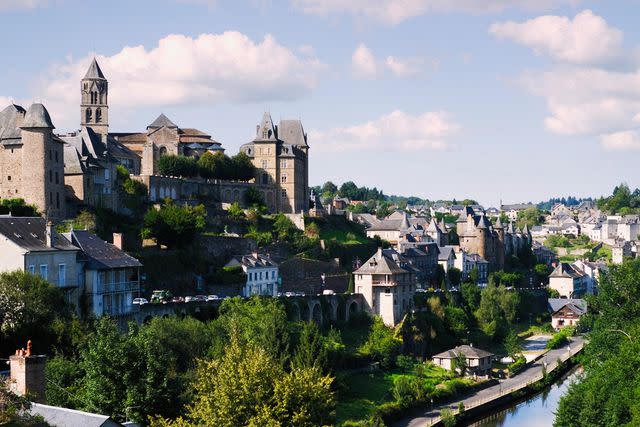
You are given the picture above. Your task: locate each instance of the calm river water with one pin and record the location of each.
(535, 411)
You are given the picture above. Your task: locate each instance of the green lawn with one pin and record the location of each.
(340, 230)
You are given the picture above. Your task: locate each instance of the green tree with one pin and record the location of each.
(512, 345)
(311, 351)
(284, 228)
(253, 197)
(235, 211)
(351, 287)
(242, 167)
(382, 345)
(173, 225)
(529, 217)
(312, 231)
(471, 294)
(542, 273)
(454, 275)
(329, 188)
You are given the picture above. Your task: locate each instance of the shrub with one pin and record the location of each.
(381, 345)
(560, 338)
(448, 419)
(518, 365)
(406, 362)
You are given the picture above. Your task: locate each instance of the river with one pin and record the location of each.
(535, 411)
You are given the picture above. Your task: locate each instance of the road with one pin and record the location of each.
(530, 375)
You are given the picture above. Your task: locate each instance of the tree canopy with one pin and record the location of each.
(174, 225)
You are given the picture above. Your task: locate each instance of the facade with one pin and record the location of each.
(398, 227)
(30, 244)
(569, 281)
(281, 157)
(387, 285)
(447, 257)
(566, 312)
(32, 160)
(262, 274)
(423, 256)
(109, 278)
(478, 362)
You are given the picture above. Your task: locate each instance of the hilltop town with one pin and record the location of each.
(162, 234)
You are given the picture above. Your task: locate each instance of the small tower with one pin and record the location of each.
(266, 163)
(94, 106)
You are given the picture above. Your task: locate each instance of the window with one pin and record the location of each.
(57, 200)
(62, 275)
(283, 193)
(273, 274)
(265, 178)
(87, 115)
(50, 197)
(283, 178)
(98, 115)
(50, 175)
(265, 133)
(106, 174)
(283, 163)
(32, 269)
(57, 177)
(56, 153)
(44, 271)
(265, 164)
(9, 178)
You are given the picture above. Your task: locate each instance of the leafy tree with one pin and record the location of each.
(243, 169)
(284, 228)
(530, 217)
(460, 363)
(235, 211)
(311, 351)
(17, 207)
(253, 197)
(134, 193)
(351, 288)
(312, 231)
(498, 306)
(330, 188)
(474, 276)
(30, 307)
(173, 225)
(471, 295)
(170, 165)
(542, 272)
(512, 345)
(382, 344)
(454, 275)
(457, 321)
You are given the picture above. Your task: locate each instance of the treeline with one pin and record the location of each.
(212, 166)
(623, 201)
(17, 207)
(349, 190)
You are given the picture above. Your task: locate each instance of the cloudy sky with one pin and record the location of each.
(513, 100)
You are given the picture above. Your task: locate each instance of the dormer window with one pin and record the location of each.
(265, 134)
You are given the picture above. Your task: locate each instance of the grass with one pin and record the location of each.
(340, 230)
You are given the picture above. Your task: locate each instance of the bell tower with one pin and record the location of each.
(94, 106)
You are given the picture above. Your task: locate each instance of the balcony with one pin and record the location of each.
(112, 288)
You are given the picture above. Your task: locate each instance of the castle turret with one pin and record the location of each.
(42, 163)
(483, 231)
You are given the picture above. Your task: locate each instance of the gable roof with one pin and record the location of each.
(64, 417)
(29, 234)
(567, 271)
(577, 305)
(468, 351)
(94, 71)
(445, 253)
(252, 261)
(101, 255)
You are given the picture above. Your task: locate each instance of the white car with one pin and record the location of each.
(289, 294)
(213, 298)
(189, 299)
(328, 292)
(140, 301)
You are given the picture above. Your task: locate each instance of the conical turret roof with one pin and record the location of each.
(498, 224)
(37, 116)
(482, 222)
(161, 121)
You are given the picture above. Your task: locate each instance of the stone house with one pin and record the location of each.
(511, 211)
(32, 160)
(262, 274)
(109, 277)
(30, 244)
(387, 285)
(478, 362)
(423, 256)
(569, 281)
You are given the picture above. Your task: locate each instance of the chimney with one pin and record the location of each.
(27, 374)
(49, 234)
(117, 240)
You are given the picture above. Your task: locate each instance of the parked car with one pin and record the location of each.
(140, 301)
(300, 294)
(177, 299)
(190, 299)
(289, 294)
(213, 298)
(328, 292)
(201, 297)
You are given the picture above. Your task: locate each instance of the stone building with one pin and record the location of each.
(491, 242)
(387, 285)
(32, 159)
(280, 155)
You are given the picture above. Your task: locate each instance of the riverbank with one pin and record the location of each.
(510, 388)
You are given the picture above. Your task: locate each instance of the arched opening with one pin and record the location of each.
(87, 115)
(353, 310)
(316, 314)
(98, 115)
(295, 313)
(304, 311)
(341, 312)
(162, 151)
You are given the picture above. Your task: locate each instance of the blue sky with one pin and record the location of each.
(513, 100)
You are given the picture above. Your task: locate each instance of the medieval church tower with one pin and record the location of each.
(94, 107)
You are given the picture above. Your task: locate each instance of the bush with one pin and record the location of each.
(174, 225)
(518, 365)
(406, 362)
(381, 345)
(560, 338)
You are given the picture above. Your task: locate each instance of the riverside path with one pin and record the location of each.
(533, 373)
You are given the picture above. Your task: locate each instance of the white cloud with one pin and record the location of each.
(6, 5)
(363, 63)
(5, 101)
(587, 101)
(396, 131)
(306, 49)
(393, 12)
(627, 140)
(179, 70)
(404, 67)
(587, 39)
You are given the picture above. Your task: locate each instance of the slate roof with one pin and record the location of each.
(291, 132)
(63, 417)
(445, 252)
(380, 263)
(252, 260)
(567, 271)
(266, 124)
(578, 306)
(94, 71)
(29, 234)
(468, 351)
(9, 119)
(37, 116)
(101, 255)
(162, 121)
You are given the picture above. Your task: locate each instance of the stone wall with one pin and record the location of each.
(219, 249)
(305, 275)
